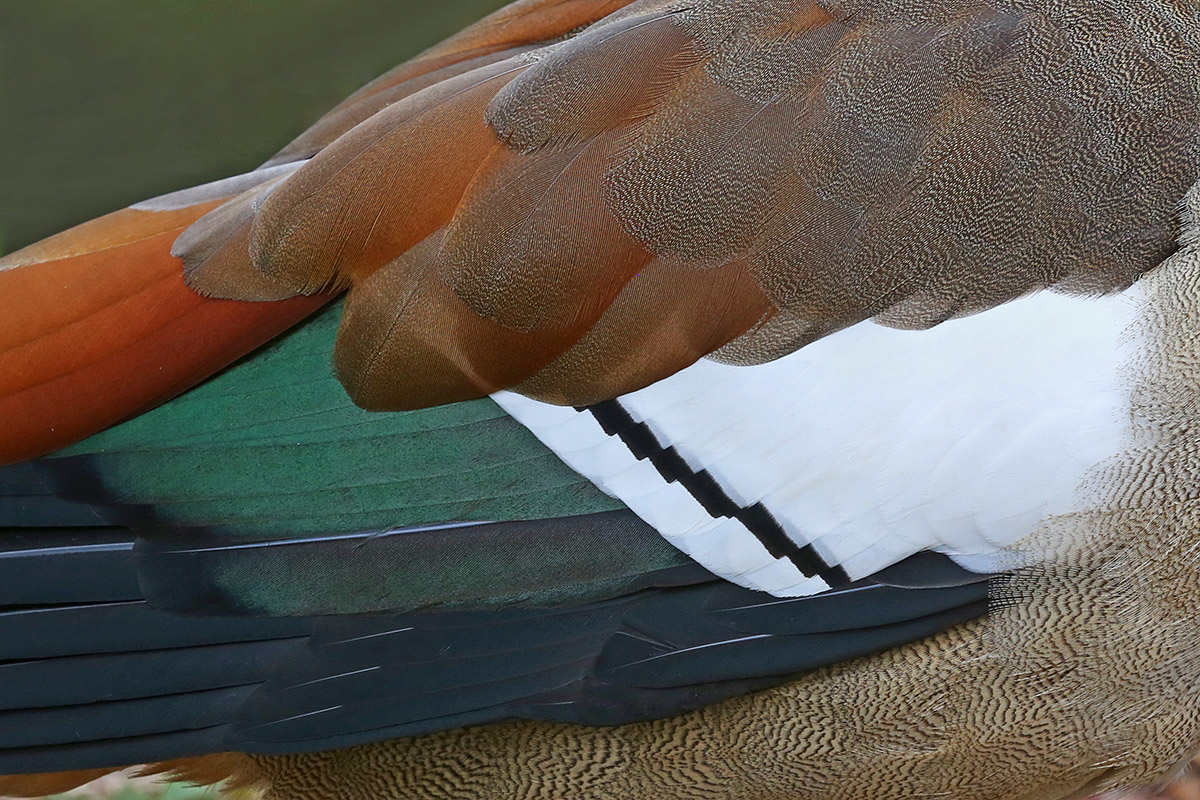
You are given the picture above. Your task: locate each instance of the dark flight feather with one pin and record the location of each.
(100, 681)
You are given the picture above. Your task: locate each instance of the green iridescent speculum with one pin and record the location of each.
(273, 449)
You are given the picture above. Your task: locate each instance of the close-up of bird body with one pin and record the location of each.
(730, 399)
(1082, 678)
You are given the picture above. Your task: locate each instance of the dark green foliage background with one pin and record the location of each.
(106, 103)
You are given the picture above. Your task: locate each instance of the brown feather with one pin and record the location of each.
(651, 330)
(857, 160)
(381, 188)
(407, 341)
(216, 251)
(561, 101)
(532, 248)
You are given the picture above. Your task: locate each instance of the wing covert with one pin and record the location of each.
(817, 165)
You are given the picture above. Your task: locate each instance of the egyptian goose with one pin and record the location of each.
(758, 399)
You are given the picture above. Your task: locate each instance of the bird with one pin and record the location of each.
(688, 399)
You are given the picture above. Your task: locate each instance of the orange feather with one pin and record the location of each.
(97, 325)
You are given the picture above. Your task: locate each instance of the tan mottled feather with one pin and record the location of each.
(530, 249)
(652, 330)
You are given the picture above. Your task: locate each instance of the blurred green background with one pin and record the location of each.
(107, 103)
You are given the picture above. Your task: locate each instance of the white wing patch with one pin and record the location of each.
(868, 445)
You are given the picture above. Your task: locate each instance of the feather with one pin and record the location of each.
(818, 166)
(92, 682)
(93, 561)
(82, 348)
(359, 203)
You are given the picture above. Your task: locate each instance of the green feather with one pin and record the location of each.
(273, 446)
(273, 449)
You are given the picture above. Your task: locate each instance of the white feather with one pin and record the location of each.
(875, 443)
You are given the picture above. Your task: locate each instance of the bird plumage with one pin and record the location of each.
(882, 310)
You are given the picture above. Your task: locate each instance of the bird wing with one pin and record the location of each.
(94, 674)
(728, 250)
(734, 178)
(260, 566)
(97, 324)
(682, 249)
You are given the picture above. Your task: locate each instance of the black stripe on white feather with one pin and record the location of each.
(616, 421)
